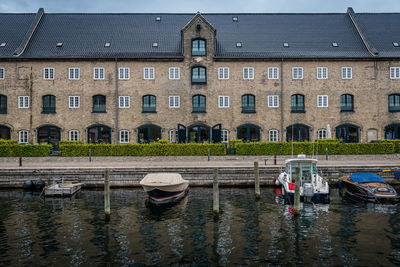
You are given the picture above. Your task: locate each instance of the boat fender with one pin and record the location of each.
(29, 185)
(277, 181)
(39, 184)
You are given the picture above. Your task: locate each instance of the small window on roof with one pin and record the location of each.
(2, 44)
(395, 44)
(334, 44)
(59, 44)
(285, 44)
(108, 44)
(155, 45)
(158, 18)
(235, 19)
(239, 44)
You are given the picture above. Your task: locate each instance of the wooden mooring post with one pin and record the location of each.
(297, 192)
(215, 194)
(107, 210)
(257, 180)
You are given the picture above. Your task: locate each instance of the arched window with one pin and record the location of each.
(298, 103)
(392, 131)
(99, 134)
(49, 104)
(3, 104)
(99, 104)
(149, 133)
(348, 133)
(199, 104)
(149, 104)
(5, 132)
(298, 132)
(199, 134)
(199, 75)
(248, 132)
(49, 134)
(248, 104)
(199, 47)
(346, 103)
(394, 103)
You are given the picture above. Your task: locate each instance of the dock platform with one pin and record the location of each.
(66, 190)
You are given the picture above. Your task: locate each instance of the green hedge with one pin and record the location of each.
(17, 150)
(8, 142)
(285, 148)
(152, 149)
(395, 142)
(70, 142)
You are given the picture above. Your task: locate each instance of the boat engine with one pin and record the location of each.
(308, 190)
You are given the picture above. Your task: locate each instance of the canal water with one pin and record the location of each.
(72, 232)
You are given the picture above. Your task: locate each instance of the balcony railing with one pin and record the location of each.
(99, 109)
(149, 110)
(49, 110)
(3, 110)
(394, 108)
(348, 108)
(199, 110)
(298, 109)
(250, 109)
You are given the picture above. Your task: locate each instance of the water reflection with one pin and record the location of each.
(72, 232)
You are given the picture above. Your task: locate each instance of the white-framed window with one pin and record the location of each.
(2, 73)
(322, 101)
(322, 73)
(273, 73)
(174, 101)
(48, 73)
(124, 136)
(248, 73)
(273, 101)
(98, 73)
(123, 73)
(322, 134)
(225, 136)
(74, 101)
(23, 137)
(273, 135)
(73, 73)
(347, 73)
(23, 101)
(223, 101)
(148, 73)
(223, 73)
(73, 135)
(297, 73)
(394, 73)
(174, 73)
(124, 101)
(173, 136)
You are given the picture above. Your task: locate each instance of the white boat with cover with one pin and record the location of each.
(164, 187)
(313, 187)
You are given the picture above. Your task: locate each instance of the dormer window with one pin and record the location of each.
(285, 44)
(395, 44)
(158, 18)
(334, 44)
(239, 44)
(2, 44)
(59, 44)
(235, 19)
(155, 44)
(107, 44)
(199, 47)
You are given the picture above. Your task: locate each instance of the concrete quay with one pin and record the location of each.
(233, 170)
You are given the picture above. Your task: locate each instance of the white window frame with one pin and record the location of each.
(297, 73)
(100, 73)
(322, 134)
(25, 101)
(273, 101)
(224, 136)
(48, 73)
(172, 136)
(149, 73)
(124, 136)
(223, 73)
(248, 73)
(23, 137)
(273, 135)
(174, 73)
(174, 101)
(125, 100)
(73, 73)
(322, 101)
(2, 73)
(73, 135)
(223, 101)
(273, 73)
(74, 99)
(394, 73)
(322, 73)
(124, 73)
(347, 73)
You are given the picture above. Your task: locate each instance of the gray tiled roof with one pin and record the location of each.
(262, 35)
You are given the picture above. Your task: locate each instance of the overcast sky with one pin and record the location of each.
(204, 6)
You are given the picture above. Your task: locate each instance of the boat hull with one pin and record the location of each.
(158, 197)
(316, 198)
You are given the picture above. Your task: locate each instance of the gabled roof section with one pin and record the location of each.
(194, 19)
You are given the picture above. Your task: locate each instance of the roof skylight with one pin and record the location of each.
(395, 44)
(239, 44)
(59, 44)
(2, 44)
(155, 44)
(285, 44)
(235, 19)
(108, 44)
(158, 18)
(334, 44)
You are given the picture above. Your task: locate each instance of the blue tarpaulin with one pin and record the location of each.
(360, 177)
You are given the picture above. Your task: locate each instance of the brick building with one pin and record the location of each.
(127, 78)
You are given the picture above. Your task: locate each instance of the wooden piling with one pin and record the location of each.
(215, 194)
(256, 180)
(20, 161)
(107, 210)
(297, 191)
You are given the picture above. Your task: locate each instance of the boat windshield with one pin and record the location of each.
(306, 169)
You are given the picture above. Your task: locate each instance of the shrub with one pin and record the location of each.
(65, 142)
(395, 142)
(163, 141)
(234, 142)
(7, 142)
(20, 150)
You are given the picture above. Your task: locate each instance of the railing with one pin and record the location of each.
(149, 110)
(298, 109)
(99, 109)
(49, 110)
(248, 109)
(199, 110)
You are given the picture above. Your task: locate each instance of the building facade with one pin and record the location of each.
(128, 78)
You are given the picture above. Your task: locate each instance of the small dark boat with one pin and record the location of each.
(367, 187)
(164, 188)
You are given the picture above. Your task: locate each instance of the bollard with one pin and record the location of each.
(20, 161)
(297, 192)
(274, 159)
(90, 155)
(215, 194)
(208, 153)
(326, 154)
(106, 196)
(256, 180)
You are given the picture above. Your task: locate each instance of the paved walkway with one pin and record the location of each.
(201, 162)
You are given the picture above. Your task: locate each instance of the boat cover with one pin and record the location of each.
(169, 182)
(360, 177)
